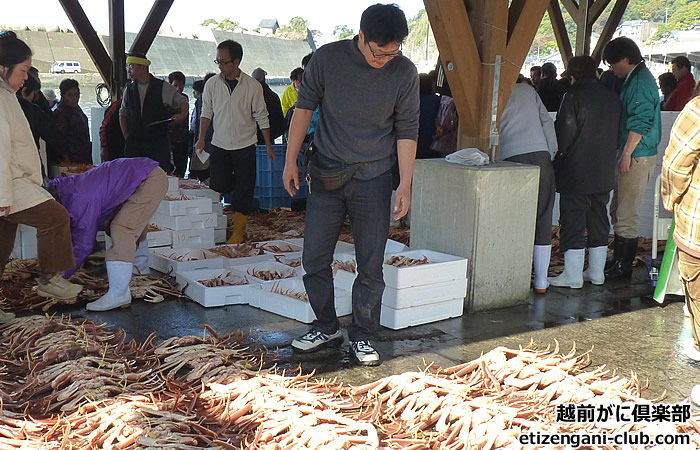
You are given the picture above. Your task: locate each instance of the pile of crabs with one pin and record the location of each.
(76, 384)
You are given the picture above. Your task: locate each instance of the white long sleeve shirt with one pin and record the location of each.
(234, 114)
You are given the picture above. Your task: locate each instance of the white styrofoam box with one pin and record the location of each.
(344, 247)
(219, 235)
(221, 221)
(216, 296)
(421, 295)
(17, 249)
(217, 208)
(173, 185)
(418, 315)
(201, 238)
(293, 308)
(190, 207)
(393, 246)
(27, 242)
(279, 247)
(231, 262)
(159, 238)
(190, 191)
(441, 267)
(178, 223)
(286, 258)
(166, 260)
(340, 246)
(249, 268)
(342, 278)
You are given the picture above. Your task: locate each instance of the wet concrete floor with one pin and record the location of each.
(629, 330)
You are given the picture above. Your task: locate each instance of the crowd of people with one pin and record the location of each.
(604, 140)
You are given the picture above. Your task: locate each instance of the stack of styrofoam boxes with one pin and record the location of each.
(192, 189)
(25, 243)
(269, 293)
(190, 221)
(423, 293)
(190, 274)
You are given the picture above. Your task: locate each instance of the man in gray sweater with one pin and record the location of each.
(367, 94)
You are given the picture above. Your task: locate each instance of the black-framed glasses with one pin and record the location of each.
(384, 55)
(221, 63)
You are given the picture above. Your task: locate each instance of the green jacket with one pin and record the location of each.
(641, 111)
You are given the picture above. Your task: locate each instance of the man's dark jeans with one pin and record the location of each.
(155, 147)
(368, 204)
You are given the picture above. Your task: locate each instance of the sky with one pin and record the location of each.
(186, 15)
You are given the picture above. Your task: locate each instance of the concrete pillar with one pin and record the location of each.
(97, 115)
(486, 214)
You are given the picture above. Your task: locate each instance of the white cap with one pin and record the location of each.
(50, 94)
(258, 74)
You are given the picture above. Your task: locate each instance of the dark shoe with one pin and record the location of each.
(315, 339)
(623, 268)
(364, 354)
(617, 253)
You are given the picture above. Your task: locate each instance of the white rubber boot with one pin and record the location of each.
(540, 263)
(695, 395)
(596, 265)
(119, 294)
(572, 276)
(141, 259)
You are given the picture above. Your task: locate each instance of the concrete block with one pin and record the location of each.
(485, 214)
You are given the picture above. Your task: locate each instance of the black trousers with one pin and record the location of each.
(179, 150)
(545, 195)
(579, 213)
(155, 147)
(234, 171)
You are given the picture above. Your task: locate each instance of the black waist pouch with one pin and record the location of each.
(328, 174)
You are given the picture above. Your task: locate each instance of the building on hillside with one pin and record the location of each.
(637, 30)
(268, 26)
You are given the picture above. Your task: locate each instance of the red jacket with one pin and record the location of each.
(682, 94)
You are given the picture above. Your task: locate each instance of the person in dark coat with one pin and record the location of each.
(588, 129)
(41, 123)
(74, 134)
(429, 105)
(274, 108)
(549, 87)
(111, 137)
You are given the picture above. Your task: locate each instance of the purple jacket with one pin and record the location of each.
(93, 196)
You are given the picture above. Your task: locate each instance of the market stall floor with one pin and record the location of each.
(630, 332)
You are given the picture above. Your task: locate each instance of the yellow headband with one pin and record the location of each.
(137, 60)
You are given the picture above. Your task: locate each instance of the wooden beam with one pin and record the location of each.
(489, 20)
(89, 38)
(609, 28)
(520, 41)
(597, 9)
(450, 24)
(514, 12)
(559, 28)
(150, 27)
(571, 7)
(117, 47)
(583, 28)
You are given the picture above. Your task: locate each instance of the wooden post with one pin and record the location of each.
(584, 28)
(150, 27)
(562, 37)
(609, 29)
(89, 38)
(469, 35)
(117, 48)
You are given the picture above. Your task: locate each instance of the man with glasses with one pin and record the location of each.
(235, 103)
(639, 139)
(369, 107)
(146, 110)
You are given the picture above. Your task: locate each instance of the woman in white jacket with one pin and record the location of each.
(22, 198)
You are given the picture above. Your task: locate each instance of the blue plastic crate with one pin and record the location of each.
(269, 189)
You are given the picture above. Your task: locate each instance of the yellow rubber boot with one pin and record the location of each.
(240, 221)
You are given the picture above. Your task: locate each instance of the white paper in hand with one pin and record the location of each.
(202, 155)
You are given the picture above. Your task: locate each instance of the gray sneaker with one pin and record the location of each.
(364, 354)
(315, 339)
